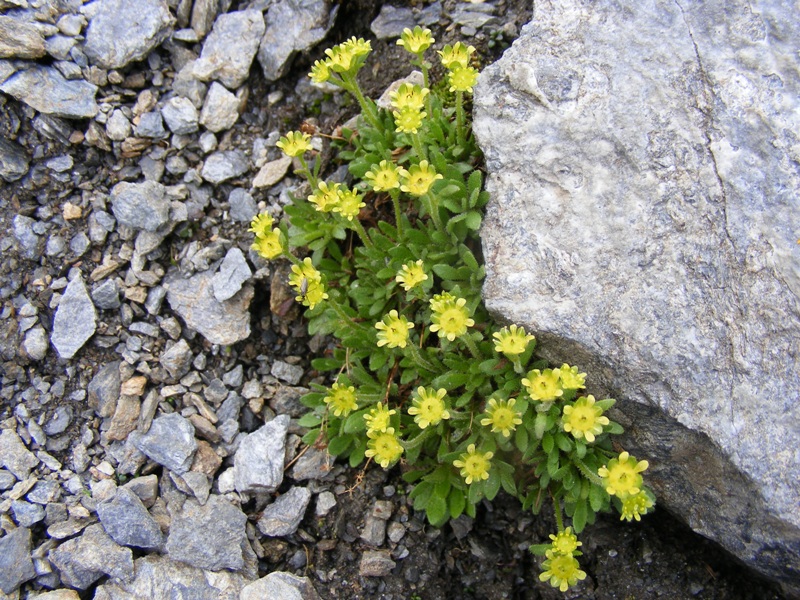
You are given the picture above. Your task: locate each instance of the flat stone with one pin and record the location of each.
(19, 39)
(204, 12)
(27, 514)
(376, 563)
(36, 343)
(230, 48)
(643, 230)
(75, 321)
(193, 300)
(85, 559)
(121, 32)
(280, 585)
(292, 26)
(325, 503)
(29, 240)
(103, 390)
(220, 109)
(16, 566)
(160, 577)
(283, 516)
(14, 161)
(391, 21)
(243, 207)
(314, 464)
(233, 272)
(59, 420)
(127, 521)
(14, 456)
(46, 90)
(142, 205)
(151, 125)
(177, 360)
(291, 374)
(169, 442)
(258, 461)
(181, 115)
(59, 595)
(272, 172)
(208, 536)
(221, 166)
(145, 487)
(118, 127)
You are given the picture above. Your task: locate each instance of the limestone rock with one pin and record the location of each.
(292, 26)
(230, 48)
(159, 577)
(120, 31)
(169, 442)
(140, 205)
(643, 225)
(85, 559)
(13, 160)
(258, 463)
(285, 586)
(75, 321)
(219, 322)
(46, 90)
(283, 516)
(127, 521)
(16, 566)
(19, 39)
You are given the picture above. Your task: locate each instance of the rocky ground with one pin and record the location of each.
(152, 364)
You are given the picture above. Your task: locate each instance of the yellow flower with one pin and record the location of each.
(378, 418)
(416, 41)
(384, 446)
(502, 416)
(341, 400)
(349, 204)
(570, 378)
(385, 176)
(451, 319)
(411, 275)
(622, 476)
(326, 198)
(456, 56)
(635, 506)
(408, 120)
(409, 96)
(563, 543)
(320, 72)
(428, 407)
(474, 465)
(439, 300)
(260, 225)
(583, 419)
(511, 340)
(419, 179)
(543, 385)
(295, 143)
(562, 571)
(462, 79)
(393, 330)
(307, 282)
(358, 46)
(340, 59)
(268, 245)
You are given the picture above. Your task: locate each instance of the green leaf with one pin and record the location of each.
(605, 404)
(492, 485)
(521, 439)
(539, 549)
(457, 501)
(340, 444)
(564, 443)
(355, 422)
(507, 480)
(357, 455)
(326, 364)
(436, 509)
(579, 516)
(547, 441)
(309, 420)
(421, 494)
(614, 428)
(311, 437)
(473, 220)
(597, 497)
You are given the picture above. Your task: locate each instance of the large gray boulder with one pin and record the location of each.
(644, 172)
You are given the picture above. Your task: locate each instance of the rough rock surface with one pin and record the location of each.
(16, 565)
(292, 26)
(120, 32)
(280, 585)
(141, 205)
(643, 169)
(219, 322)
(46, 90)
(169, 442)
(258, 463)
(75, 320)
(85, 559)
(127, 521)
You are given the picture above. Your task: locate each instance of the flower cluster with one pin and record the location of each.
(307, 282)
(428, 407)
(341, 399)
(268, 242)
(393, 330)
(384, 447)
(337, 198)
(456, 59)
(561, 568)
(342, 60)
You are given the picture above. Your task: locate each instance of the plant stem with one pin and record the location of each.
(395, 194)
(356, 226)
(473, 347)
(460, 118)
(344, 316)
(351, 85)
(309, 175)
(433, 209)
(557, 511)
(419, 440)
(418, 148)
